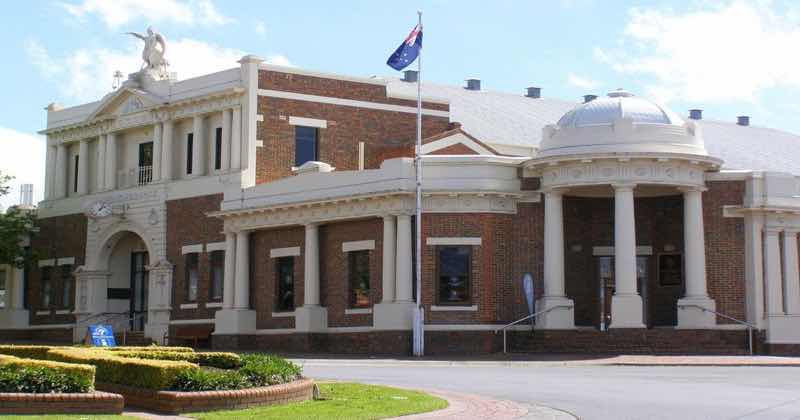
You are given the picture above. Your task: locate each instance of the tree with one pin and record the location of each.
(15, 224)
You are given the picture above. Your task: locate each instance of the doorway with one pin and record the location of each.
(606, 287)
(139, 277)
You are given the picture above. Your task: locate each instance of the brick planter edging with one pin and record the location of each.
(87, 403)
(175, 402)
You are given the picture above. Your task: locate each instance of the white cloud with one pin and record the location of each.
(582, 82)
(26, 164)
(119, 12)
(261, 28)
(86, 74)
(721, 52)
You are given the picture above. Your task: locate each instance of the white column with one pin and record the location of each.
(554, 289)
(236, 138)
(50, 173)
(772, 270)
(311, 273)
(626, 304)
(689, 313)
(389, 282)
(226, 139)
(83, 167)
(199, 147)
(404, 262)
(100, 165)
(229, 281)
(754, 268)
(157, 136)
(166, 150)
(242, 294)
(554, 245)
(61, 176)
(791, 276)
(111, 161)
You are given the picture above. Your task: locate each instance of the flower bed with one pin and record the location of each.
(168, 379)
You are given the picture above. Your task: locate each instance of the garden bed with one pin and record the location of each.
(175, 402)
(165, 379)
(83, 403)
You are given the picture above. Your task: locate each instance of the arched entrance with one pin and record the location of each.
(127, 278)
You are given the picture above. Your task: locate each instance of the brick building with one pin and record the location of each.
(272, 208)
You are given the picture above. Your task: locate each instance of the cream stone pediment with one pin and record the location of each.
(125, 101)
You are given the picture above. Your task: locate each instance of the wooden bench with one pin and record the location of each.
(191, 333)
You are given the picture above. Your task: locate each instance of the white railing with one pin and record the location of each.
(750, 327)
(145, 175)
(504, 328)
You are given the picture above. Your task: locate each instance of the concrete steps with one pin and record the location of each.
(645, 341)
(134, 338)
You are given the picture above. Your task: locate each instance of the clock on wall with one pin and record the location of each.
(99, 209)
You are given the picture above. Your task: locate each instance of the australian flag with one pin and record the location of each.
(408, 51)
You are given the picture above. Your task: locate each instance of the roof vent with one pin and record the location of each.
(473, 84)
(589, 98)
(410, 76)
(743, 120)
(534, 92)
(619, 93)
(696, 114)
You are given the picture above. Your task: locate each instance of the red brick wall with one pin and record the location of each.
(490, 264)
(455, 149)
(527, 256)
(187, 224)
(383, 132)
(58, 237)
(725, 248)
(264, 275)
(334, 271)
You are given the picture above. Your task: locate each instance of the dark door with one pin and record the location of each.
(138, 311)
(605, 289)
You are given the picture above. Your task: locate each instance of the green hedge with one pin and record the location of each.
(154, 347)
(150, 374)
(44, 376)
(257, 370)
(214, 359)
(27, 352)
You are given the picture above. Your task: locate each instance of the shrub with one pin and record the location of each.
(42, 376)
(208, 380)
(263, 369)
(154, 347)
(213, 359)
(151, 374)
(28, 352)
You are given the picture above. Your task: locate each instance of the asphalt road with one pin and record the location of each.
(599, 392)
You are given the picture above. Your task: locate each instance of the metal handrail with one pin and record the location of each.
(504, 328)
(749, 326)
(130, 320)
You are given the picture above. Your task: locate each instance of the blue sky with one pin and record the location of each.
(727, 57)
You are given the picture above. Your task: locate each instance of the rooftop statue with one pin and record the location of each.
(152, 56)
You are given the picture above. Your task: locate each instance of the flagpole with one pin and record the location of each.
(419, 314)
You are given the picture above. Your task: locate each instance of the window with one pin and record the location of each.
(284, 284)
(189, 151)
(217, 274)
(218, 149)
(75, 179)
(358, 273)
(3, 292)
(305, 144)
(453, 267)
(192, 276)
(47, 286)
(66, 285)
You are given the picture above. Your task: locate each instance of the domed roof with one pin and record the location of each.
(618, 104)
(620, 123)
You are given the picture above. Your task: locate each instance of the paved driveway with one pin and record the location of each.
(598, 392)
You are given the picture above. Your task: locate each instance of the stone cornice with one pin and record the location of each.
(103, 124)
(400, 203)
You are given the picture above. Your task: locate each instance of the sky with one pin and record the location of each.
(727, 57)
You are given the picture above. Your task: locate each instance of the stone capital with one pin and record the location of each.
(773, 230)
(623, 186)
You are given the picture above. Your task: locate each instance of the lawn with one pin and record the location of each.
(341, 401)
(67, 417)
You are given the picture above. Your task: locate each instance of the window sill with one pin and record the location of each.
(188, 306)
(358, 311)
(214, 305)
(446, 308)
(282, 314)
(41, 313)
(63, 312)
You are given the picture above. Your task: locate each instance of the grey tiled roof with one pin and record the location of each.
(507, 119)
